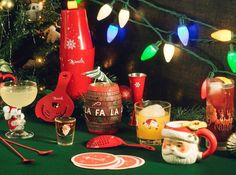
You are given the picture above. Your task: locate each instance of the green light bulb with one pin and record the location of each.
(78, 1)
(231, 58)
(150, 51)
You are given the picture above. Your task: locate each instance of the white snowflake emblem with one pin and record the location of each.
(71, 44)
(137, 84)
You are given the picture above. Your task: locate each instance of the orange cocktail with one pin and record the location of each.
(151, 117)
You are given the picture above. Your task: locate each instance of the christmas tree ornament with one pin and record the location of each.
(231, 144)
(125, 92)
(223, 35)
(5, 66)
(102, 104)
(150, 51)
(7, 4)
(137, 83)
(57, 103)
(29, 64)
(231, 58)
(34, 12)
(51, 34)
(112, 32)
(76, 50)
(123, 17)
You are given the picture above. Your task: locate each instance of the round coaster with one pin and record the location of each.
(129, 162)
(102, 167)
(94, 159)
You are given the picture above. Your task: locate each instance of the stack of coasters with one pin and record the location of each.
(106, 161)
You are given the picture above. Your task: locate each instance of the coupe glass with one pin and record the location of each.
(18, 94)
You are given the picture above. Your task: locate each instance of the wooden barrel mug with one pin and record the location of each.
(103, 108)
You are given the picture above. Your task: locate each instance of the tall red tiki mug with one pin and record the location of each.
(76, 50)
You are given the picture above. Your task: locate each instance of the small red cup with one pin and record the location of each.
(137, 83)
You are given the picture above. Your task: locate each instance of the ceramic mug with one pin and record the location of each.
(181, 142)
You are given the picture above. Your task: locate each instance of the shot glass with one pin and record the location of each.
(65, 130)
(151, 117)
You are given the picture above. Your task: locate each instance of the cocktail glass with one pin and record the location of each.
(220, 108)
(151, 117)
(18, 94)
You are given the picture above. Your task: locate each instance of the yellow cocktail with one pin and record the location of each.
(151, 117)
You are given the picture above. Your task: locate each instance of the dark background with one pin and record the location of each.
(180, 80)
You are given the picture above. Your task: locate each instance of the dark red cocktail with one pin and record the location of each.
(220, 108)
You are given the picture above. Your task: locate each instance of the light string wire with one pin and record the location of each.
(159, 32)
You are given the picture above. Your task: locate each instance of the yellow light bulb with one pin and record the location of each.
(169, 50)
(39, 60)
(41, 88)
(72, 5)
(223, 35)
(9, 5)
(3, 3)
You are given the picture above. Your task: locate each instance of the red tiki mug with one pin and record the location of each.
(76, 50)
(137, 82)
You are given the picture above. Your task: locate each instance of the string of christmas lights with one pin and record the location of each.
(30, 24)
(182, 32)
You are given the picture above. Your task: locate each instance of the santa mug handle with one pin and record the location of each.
(210, 137)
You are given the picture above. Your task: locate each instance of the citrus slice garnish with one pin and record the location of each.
(226, 81)
(196, 124)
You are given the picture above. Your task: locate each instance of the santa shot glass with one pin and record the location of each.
(65, 130)
(151, 117)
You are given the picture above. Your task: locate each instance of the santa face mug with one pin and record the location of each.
(181, 142)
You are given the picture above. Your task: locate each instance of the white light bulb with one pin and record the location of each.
(169, 50)
(123, 17)
(104, 12)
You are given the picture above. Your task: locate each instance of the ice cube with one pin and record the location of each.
(215, 88)
(153, 111)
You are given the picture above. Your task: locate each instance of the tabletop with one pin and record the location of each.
(60, 161)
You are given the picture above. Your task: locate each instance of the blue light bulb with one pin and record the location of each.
(183, 34)
(193, 29)
(112, 31)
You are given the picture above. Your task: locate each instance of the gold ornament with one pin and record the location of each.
(231, 144)
(51, 34)
(34, 12)
(6, 4)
